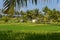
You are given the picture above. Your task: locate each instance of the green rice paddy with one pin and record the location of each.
(28, 31)
(28, 27)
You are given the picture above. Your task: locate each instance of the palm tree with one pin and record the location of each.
(9, 5)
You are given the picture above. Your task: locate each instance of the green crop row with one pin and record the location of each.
(11, 35)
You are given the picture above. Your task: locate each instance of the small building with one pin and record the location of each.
(34, 20)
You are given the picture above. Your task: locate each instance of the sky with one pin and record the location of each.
(40, 5)
(1, 4)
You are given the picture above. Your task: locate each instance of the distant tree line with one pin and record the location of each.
(46, 16)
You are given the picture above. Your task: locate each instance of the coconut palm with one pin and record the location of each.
(9, 5)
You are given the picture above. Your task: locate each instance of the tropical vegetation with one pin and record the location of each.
(49, 16)
(31, 24)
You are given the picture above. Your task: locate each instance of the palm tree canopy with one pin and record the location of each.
(10, 4)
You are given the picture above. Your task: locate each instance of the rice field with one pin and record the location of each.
(28, 31)
(28, 27)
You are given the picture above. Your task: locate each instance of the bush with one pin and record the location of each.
(6, 18)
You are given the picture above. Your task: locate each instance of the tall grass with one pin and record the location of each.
(11, 35)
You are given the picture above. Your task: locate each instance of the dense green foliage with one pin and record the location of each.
(48, 17)
(10, 35)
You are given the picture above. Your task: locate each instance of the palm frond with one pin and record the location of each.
(21, 3)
